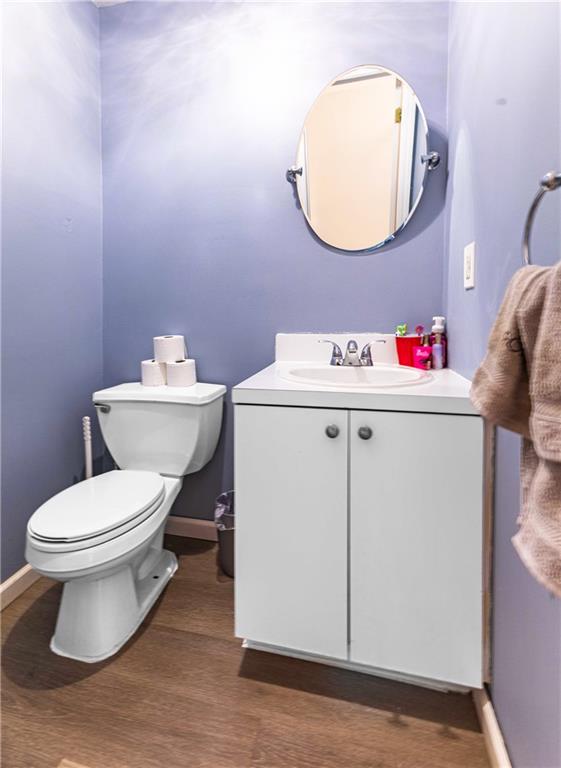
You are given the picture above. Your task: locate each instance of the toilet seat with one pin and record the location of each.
(96, 510)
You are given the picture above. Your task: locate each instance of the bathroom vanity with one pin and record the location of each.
(361, 517)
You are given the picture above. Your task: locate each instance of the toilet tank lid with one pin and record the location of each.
(197, 394)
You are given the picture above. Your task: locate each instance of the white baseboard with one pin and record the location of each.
(69, 764)
(192, 528)
(494, 742)
(16, 585)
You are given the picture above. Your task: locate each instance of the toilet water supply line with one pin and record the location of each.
(87, 430)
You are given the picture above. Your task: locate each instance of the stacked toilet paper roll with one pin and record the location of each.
(169, 349)
(181, 373)
(153, 373)
(170, 364)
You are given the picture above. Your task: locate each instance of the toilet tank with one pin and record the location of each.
(169, 430)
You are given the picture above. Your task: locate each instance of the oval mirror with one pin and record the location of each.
(362, 159)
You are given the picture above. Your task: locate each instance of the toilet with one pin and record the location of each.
(103, 537)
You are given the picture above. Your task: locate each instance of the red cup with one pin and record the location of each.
(405, 346)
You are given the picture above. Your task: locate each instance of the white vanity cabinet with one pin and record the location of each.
(291, 528)
(416, 544)
(359, 537)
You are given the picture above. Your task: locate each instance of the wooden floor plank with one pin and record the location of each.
(184, 693)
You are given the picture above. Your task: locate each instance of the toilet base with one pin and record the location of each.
(97, 617)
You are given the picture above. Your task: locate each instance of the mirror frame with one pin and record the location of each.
(431, 161)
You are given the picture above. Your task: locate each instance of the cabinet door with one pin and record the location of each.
(291, 527)
(416, 492)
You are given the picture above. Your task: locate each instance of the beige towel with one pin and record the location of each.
(518, 386)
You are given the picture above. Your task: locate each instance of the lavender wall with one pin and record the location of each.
(51, 249)
(202, 108)
(504, 115)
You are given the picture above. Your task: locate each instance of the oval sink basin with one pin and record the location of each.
(365, 377)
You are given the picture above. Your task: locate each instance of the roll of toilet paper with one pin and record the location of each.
(153, 374)
(181, 373)
(168, 349)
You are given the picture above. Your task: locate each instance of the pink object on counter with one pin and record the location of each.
(422, 356)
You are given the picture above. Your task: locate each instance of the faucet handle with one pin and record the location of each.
(366, 354)
(336, 354)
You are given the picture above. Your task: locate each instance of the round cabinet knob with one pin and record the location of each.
(332, 430)
(365, 433)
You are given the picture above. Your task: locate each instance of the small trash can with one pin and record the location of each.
(225, 524)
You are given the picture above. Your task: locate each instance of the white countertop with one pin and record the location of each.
(444, 392)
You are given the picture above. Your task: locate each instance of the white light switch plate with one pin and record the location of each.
(469, 266)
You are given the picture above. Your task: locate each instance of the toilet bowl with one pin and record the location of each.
(103, 537)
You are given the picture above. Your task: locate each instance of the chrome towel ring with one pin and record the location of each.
(548, 183)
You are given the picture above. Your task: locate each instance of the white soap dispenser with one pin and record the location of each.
(438, 342)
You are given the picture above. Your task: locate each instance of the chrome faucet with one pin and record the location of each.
(352, 358)
(336, 354)
(351, 354)
(366, 354)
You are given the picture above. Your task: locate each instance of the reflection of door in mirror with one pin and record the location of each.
(404, 154)
(353, 141)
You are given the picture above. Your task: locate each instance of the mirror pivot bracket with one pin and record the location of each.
(292, 172)
(432, 159)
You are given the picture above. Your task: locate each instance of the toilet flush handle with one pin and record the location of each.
(103, 407)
